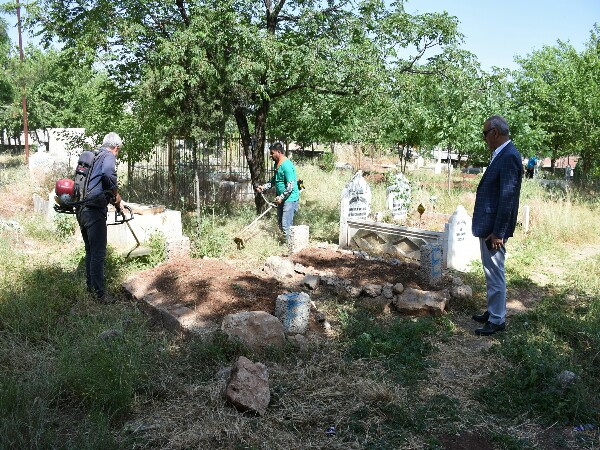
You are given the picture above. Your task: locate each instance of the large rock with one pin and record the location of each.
(248, 386)
(254, 328)
(278, 267)
(420, 303)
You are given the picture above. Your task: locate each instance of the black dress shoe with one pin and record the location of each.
(481, 318)
(490, 328)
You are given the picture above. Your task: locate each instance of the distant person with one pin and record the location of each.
(568, 172)
(286, 188)
(495, 217)
(102, 189)
(531, 165)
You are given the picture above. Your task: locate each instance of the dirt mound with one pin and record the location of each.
(213, 288)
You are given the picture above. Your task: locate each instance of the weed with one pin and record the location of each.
(65, 225)
(401, 344)
(543, 343)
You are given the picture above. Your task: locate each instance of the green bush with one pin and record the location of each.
(327, 162)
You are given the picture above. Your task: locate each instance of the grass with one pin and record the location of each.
(64, 384)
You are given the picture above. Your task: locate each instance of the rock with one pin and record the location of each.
(299, 268)
(372, 290)
(418, 302)
(566, 378)
(398, 288)
(279, 267)
(223, 374)
(375, 305)
(320, 316)
(298, 340)
(311, 281)
(361, 254)
(387, 291)
(248, 386)
(456, 281)
(330, 280)
(110, 334)
(461, 292)
(353, 291)
(395, 262)
(254, 328)
(138, 426)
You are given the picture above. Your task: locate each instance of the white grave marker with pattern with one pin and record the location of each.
(399, 196)
(356, 204)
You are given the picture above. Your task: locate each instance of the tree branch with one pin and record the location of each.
(183, 12)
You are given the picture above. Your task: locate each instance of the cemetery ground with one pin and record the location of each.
(382, 380)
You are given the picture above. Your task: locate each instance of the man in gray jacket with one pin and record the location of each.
(495, 217)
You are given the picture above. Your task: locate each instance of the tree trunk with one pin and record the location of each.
(254, 147)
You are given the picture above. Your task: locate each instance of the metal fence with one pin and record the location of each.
(185, 176)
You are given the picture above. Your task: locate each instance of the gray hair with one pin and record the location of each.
(112, 140)
(499, 123)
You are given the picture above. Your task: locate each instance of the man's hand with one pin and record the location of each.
(495, 241)
(117, 201)
(278, 200)
(258, 188)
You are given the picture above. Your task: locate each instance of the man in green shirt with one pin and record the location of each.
(286, 188)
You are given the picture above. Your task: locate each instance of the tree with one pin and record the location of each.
(199, 62)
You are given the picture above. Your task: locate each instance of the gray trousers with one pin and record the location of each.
(92, 223)
(495, 280)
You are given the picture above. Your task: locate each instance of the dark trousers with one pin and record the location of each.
(92, 223)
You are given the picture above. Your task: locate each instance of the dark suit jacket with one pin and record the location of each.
(497, 199)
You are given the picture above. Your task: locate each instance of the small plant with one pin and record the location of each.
(327, 163)
(65, 225)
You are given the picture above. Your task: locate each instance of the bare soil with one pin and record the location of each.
(214, 288)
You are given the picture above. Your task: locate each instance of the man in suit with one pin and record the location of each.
(495, 217)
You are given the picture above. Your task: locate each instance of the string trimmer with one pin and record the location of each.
(239, 240)
(125, 217)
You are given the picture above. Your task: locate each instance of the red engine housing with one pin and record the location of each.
(64, 186)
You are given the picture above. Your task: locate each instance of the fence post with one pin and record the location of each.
(197, 195)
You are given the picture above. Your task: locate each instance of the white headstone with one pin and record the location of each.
(356, 204)
(463, 247)
(399, 196)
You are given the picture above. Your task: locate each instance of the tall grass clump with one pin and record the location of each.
(104, 361)
(400, 344)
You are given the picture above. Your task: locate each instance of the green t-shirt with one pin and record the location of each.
(285, 174)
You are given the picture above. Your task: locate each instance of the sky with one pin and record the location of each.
(496, 31)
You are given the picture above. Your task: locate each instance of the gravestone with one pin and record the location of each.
(298, 238)
(356, 204)
(399, 196)
(463, 247)
(431, 264)
(293, 310)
